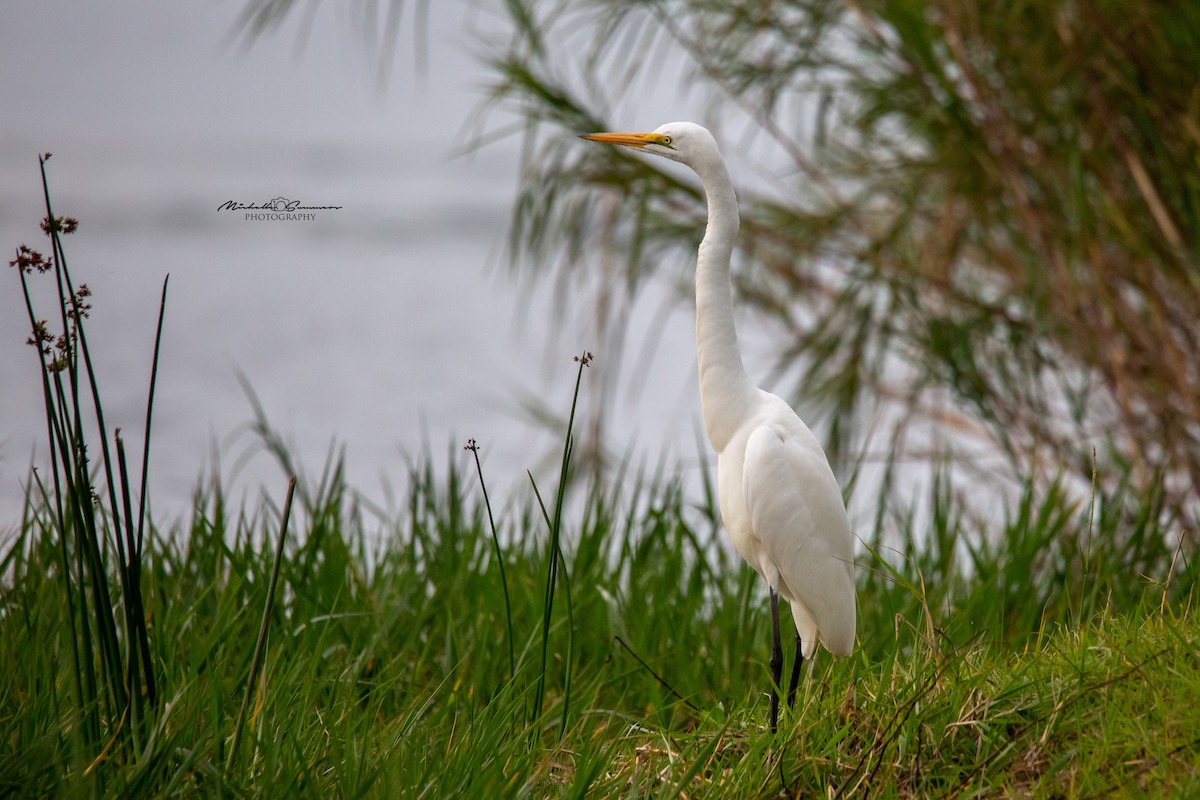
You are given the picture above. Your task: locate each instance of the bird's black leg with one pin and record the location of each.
(795, 681)
(776, 661)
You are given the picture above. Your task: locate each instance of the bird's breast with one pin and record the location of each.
(731, 497)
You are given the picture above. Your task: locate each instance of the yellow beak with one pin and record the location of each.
(627, 139)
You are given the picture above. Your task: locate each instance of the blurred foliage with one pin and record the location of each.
(978, 225)
(988, 227)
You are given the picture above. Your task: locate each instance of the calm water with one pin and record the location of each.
(390, 326)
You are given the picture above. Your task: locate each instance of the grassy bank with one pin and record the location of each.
(387, 667)
(578, 640)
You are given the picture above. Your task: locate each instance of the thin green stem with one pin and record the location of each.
(487, 503)
(555, 550)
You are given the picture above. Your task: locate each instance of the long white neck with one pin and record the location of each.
(726, 392)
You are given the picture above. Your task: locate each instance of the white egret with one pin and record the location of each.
(778, 496)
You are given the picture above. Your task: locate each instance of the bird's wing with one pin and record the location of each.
(797, 514)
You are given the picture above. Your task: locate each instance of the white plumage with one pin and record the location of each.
(779, 498)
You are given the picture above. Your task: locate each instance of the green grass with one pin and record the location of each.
(603, 644)
(387, 668)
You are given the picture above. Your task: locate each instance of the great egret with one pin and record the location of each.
(778, 495)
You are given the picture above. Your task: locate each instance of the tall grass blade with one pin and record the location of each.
(261, 643)
(547, 602)
(487, 503)
(133, 643)
(135, 582)
(554, 551)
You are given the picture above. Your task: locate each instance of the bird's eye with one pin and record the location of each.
(666, 140)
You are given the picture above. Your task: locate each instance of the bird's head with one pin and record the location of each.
(685, 142)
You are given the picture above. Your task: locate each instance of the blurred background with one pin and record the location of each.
(968, 252)
(394, 327)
